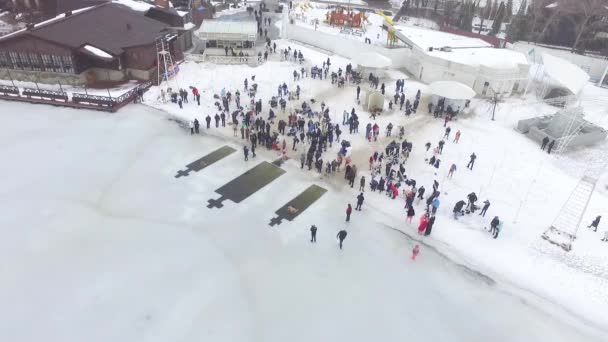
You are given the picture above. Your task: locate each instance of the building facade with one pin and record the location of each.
(72, 49)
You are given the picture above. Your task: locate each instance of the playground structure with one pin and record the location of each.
(346, 17)
(391, 38)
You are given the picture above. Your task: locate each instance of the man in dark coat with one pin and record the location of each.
(196, 126)
(246, 153)
(208, 121)
(472, 161)
(313, 233)
(544, 144)
(486, 205)
(360, 200)
(458, 208)
(550, 147)
(595, 223)
(429, 227)
(341, 236)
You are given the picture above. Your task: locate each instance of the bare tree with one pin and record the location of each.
(585, 12)
(539, 9)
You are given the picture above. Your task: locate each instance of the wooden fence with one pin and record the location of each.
(77, 100)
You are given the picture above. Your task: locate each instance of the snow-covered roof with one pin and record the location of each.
(487, 56)
(569, 75)
(97, 51)
(451, 90)
(424, 39)
(228, 30)
(372, 60)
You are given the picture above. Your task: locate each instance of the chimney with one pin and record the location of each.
(162, 3)
(68, 13)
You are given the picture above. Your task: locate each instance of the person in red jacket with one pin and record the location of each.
(424, 222)
(349, 210)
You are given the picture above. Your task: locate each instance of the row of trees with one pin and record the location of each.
(579, 24)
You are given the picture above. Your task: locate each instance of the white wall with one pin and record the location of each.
(594, 66)
(345, 47)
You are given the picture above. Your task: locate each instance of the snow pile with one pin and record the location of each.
(97, 51)
(565, 73)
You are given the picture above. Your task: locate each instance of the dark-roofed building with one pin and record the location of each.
(39, 10)
(180, 23)
(108, 42)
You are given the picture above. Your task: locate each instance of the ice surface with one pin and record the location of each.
(101, 242)
(526, 186)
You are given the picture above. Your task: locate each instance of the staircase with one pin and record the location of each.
(563, 230)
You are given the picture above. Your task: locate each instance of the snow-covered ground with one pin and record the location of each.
(526, 186)
(316, 12)
(101, 242)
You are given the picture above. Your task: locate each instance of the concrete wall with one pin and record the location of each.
(594, 66)
(44, 77)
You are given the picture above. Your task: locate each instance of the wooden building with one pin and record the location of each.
(107, 42)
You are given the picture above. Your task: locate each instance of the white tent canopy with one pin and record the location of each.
(451, 90)
(228, 30)
(372, 60)
(565, 73)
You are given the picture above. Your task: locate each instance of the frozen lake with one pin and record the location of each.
(102, 243)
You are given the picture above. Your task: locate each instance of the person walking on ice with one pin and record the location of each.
(484, 209)
(349, 210)
(457, 137)
(452, 170)
(313, 233)
(341, 236)
(415, 252)
(595, 223)
(360, 200)
(472, 161)
(246, 153)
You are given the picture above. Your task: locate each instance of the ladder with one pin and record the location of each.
(165, 61)
(565, 226)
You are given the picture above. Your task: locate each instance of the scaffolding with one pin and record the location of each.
(166, 68)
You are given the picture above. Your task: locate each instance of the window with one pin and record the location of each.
(15, 60)
(25, 61)
(56, 63)
(5, 60)
(35, 61)
(47, 62)
(67, 64)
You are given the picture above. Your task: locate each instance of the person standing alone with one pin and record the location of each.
(313, 233)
